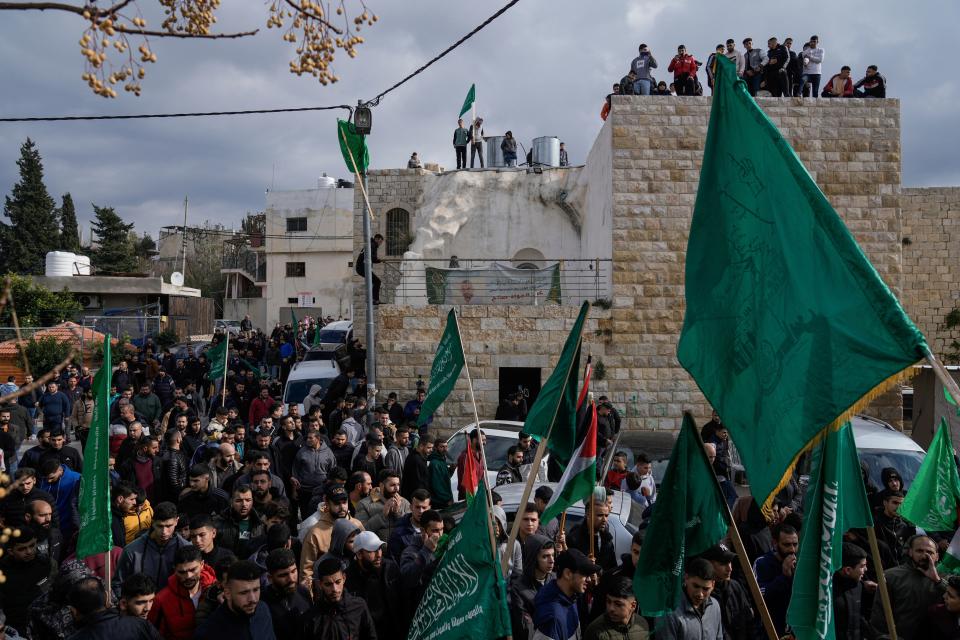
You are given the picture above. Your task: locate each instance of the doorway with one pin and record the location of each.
(513, 379)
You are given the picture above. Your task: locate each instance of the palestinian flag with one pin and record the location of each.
(580, 476)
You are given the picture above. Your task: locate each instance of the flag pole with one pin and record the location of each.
(508, 552)
(882, 582)
(226, 358)
(943, 375)
(741, 551)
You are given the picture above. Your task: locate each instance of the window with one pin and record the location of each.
(398, 231)
(296, 269)
(292, 300)
(296, 224)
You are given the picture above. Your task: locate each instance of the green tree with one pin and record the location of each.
(114, 253)
(69, 229)
(33, 228)
(36, 305)
(43, 354)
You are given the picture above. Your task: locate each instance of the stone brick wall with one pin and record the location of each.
(931, 260)
(852, 149)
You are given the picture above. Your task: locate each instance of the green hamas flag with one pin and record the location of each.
(835, 502)
(554, 414)
(466, 597)
(445, 370)
(470, 99)
(355, 144)
(788, 328)
(94, 502)
(217, 357)
(932, 501)
(687, 520)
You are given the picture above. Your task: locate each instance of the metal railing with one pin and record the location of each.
(420, 282)
(251, 263)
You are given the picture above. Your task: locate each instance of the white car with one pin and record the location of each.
(303, 377)
(880, 445)
(501, 435)
(339, 332)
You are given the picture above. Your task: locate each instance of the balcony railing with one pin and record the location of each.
(252, 263)
(420, 282)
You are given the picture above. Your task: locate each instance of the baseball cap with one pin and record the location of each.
(577, 562)
(718, 553)
(367, 541)
(337, 494)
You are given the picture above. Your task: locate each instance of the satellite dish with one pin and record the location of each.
(176, 279)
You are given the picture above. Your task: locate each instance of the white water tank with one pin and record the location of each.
(60, 263)
(82, 265)
(494, 153)
(326, 182)
(546, 151)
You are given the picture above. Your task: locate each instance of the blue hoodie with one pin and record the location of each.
(555, 615)
(65, 493)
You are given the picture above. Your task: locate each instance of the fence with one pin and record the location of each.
(138, 328)
(250, 262)
(494, 281)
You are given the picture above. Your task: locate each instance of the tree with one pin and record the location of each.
(43, 354)
(114, 253)
(36, 305)
(69, 229)
(33, 228)
(306, 24)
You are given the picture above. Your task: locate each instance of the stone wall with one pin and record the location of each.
(931, 260)
(852, 149)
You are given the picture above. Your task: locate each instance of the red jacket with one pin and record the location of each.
(173, 613)
(686, 64)
(847, 86)
(259, 409)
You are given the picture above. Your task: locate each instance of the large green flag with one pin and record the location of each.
(554, 414)
(788, 327)
(445, 370)
(934, 495)
(687, 520)
(217, 357)
(835, 502)
(470, 99)
(466, 597)
(94, 502)
(354, 143)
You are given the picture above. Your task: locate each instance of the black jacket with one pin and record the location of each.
(229, 536)
(348, 619)
(416, 475)
(524, 588)
(15, 503)
(287, 610)
(736, 610)
(379, 591)
(224, 624)
(606, 554)
(173, 475)
(849, 621)
(213, 501)
(25, 582)
(110, 625)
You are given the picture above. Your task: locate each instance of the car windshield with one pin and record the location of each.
(230, 323)
(496, 449)
(333, 335)
(297, 390)
(907, 463)
(318, 354)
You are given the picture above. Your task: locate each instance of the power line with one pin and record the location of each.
(372, 103)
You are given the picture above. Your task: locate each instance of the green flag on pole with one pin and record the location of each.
(835, 503)
(554, 414)
(788, 328)
(354, 143)
(445, 370)
(934, 496)
(470, 99)
(466, 597)
(94, 502)
(217, 357)
(687, 520)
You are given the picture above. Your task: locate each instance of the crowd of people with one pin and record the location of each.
(777, 71)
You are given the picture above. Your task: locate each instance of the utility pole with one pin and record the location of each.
(183, 240)
(368, 279)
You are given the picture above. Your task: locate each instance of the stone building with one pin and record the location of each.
(628, 212)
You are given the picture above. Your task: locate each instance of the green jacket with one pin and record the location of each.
(603, 629)
(148, 406)
(439, 481)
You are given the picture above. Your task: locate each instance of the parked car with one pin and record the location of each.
(879, 445)
(302, 378)
(328, 352)
(339, 332)
(501, 435)
(222, 325)
(620, 523)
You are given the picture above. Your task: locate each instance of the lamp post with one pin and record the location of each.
(362, 122)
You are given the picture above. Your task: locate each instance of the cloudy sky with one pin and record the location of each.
(541, 69)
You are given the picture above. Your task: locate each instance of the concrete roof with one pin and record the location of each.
(106, 285)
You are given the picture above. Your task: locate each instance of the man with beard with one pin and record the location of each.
(136, 596)
(775, 571)
(418, 560)
(147, 404)
(240, 523)
(336, 614)
(88, 604)
(64, 484)
(383, 509)
(39, 515)
(408, 529)
(287, 598)
(202, 496)
(241, 616)
(914, 587)
(263, 491)
(23, 491)
(318, 538)
(376, 580)
(203, 535)
(311, 466)
(174, 610)
(341, 448)
(358, 487)
(69, 456)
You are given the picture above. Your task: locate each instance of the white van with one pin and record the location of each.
(304, 376)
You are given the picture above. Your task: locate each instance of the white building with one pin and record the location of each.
(301, 263)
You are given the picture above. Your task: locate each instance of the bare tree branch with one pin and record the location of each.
(314, 16)
(177, 34)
